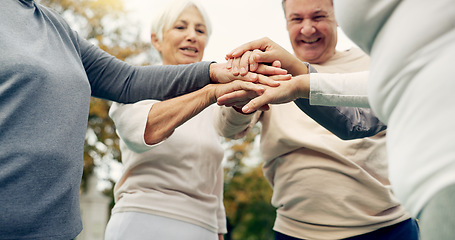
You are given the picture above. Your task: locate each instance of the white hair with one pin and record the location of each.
(165, 18)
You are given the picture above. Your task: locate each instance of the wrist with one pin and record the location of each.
(212, 70)
(210, 93)
(302, 84)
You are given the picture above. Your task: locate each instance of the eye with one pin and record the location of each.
(180, 27)
(319, 17)
(296, 19)
(201, 31)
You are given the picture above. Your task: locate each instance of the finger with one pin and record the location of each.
(249, 77)
(276, 64)
(236, 66)
(244, 63)
(281, 77)
(255, 104)
(240, 97)
(254, 63)
(251, 89)
(229, 63)
(257, 44)
(268, 81)
(270, 70)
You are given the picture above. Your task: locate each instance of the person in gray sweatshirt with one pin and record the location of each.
(47, 75)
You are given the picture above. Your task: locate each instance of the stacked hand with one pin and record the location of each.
(268, 60)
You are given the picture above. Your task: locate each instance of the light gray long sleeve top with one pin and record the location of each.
(47, 75)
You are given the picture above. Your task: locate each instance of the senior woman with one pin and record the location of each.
(172, 184)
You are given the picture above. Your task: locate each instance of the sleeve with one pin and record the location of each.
(232, 124)
(118, 81)
(347, 89)
(221, 212)
(130, 121)
(345, 122)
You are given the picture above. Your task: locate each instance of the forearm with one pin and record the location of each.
(231, 124)
(334, 89)
(165, 116)
(295, 66)
(118, 81)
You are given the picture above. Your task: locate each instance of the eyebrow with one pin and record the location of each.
(318, 11)
(186, 22)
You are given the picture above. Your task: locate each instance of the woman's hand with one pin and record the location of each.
(270, 76)
(248, 57)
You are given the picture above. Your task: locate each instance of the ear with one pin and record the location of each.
(155, 42)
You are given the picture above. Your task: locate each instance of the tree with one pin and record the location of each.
(247, 194)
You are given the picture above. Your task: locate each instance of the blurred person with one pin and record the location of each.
(47, 75)
(172, 183)
(324, 187)
(411, 88)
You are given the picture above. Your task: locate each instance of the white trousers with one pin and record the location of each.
(143, 226)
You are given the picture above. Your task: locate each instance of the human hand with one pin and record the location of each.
(247, 57)
(249, 89)
(243, 64)
(219, 73)
(297, 87)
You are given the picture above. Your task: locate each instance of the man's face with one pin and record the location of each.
(312, 29)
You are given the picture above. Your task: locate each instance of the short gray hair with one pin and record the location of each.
(283, 3)
(164, 19)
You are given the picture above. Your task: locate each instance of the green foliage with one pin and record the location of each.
(247, 194)
(248, 209)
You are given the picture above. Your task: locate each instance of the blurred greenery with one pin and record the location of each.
(105, 23)
(247, 194)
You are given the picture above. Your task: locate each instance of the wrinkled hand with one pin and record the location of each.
(251, 89)
(248, 62)
(219, 73)
(288, 91)
(248, 57)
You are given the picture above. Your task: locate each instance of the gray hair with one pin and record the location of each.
(283, 4)
(169, 14)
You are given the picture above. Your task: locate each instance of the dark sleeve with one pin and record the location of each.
(118, 81)
(345, 122)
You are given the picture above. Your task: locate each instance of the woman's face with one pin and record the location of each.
(185, 41)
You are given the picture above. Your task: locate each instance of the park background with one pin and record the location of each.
(121, 27)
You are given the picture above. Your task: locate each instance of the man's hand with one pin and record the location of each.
(288, 91)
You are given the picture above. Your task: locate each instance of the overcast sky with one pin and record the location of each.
(234, 22)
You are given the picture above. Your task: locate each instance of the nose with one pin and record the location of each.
(308, 28)
(191, 36)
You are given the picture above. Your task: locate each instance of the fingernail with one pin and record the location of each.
(245, 109)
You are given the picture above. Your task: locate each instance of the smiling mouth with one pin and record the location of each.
(190, 49)
(311, 41)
